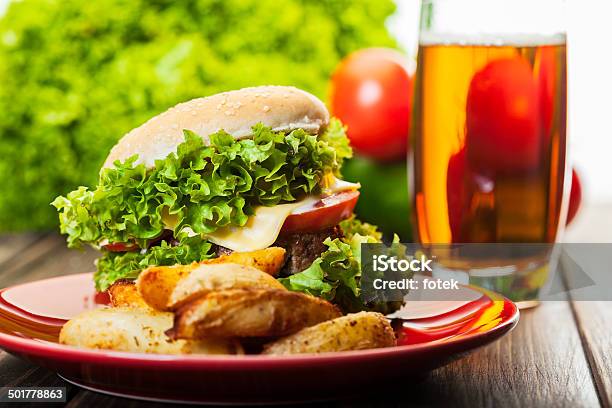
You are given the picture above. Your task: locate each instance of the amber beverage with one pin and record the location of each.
(490, 141)
(489, 154)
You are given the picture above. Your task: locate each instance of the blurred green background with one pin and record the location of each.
(76, 75)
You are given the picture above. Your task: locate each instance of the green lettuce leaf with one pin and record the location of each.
(335, 275)
(335, 136)
(113, 266)
(352, 226)
(202, 188)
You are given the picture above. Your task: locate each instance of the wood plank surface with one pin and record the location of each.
(15, 372)
(594, 319)
(46, 258)
(12, 245)
(60, 261)
(541, 363)
(91, 399)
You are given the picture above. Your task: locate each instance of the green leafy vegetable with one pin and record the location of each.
(335, 275)
(202, 188)
(127, 265)
(76, 75)
(335, 136)
(352, 226)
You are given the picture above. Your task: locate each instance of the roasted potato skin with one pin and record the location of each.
(155, 284)
(136, 330)
(123, 293)
(209, 278)
(269, 260)
(250, 313)
(359, 331)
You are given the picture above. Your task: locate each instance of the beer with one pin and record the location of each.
(489, 131)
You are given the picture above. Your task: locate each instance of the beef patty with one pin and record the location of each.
(302, 248)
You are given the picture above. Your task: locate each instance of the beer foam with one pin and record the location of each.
(495, 40)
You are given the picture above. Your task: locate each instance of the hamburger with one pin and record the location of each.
(234, 172)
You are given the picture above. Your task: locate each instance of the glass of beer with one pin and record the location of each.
(489, 156)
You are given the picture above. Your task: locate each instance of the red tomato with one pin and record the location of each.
(547, 77)
(326, 213)
(371, 93)
(575, 198)
(456, 194)
(120, 247)
(502, 118)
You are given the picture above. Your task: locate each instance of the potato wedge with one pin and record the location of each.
(128, 329)
(250, 313)
(216, 277)
(359, 331)
(123, 293)
(156, 283)
(269, 260)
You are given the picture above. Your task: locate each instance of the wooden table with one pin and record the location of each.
(559, 355)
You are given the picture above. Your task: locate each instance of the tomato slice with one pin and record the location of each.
(120, 247)
(325, 213)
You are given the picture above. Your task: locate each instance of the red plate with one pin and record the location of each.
(433, 334)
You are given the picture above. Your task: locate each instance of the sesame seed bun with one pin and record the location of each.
(283, 108)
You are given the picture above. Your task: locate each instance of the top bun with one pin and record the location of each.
(282, 108)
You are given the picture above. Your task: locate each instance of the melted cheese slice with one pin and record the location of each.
(260, 231)
(331, 185)
(263, 227)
